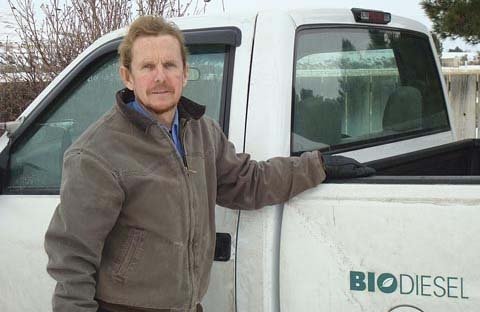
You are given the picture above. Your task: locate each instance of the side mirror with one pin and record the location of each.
(11, 126)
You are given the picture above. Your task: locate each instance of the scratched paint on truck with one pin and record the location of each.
(409, 234)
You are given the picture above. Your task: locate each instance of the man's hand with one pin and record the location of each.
(341, 167)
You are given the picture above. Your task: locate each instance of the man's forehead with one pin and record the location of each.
(163, 40)
(164, 46)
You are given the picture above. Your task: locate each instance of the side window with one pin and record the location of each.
(36, 158)
(362, 86)
(207, 67)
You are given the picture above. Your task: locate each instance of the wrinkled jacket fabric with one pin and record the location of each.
(136, 223)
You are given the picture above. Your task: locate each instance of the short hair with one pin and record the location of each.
(149, 25)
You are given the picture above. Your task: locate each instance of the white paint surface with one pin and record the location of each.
(267, 135)
(412, 229)
(25, 285)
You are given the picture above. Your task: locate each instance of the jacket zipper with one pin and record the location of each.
(191, 254)
(187, 171)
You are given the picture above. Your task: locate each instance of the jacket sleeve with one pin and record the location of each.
(243, 183)
(90, 201)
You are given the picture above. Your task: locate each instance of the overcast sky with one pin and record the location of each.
(406, 8)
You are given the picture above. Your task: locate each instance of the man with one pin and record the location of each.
(135, 227)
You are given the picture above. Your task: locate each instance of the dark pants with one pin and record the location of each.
(199, 309)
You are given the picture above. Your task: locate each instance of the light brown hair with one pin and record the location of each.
(149, 25)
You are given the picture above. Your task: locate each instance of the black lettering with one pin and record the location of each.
(439, 286)
(461, 289)
(371, 282)
(357, 281)
(387, 283)
(425, 285)
(449, 286)
(412, 282)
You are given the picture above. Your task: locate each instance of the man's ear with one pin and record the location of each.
(126, 77)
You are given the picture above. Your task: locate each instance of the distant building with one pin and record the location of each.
(457, 59)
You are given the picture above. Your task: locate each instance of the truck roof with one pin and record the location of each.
(345, 16)
(299, 17)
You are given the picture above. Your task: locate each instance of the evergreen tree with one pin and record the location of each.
(455, 18)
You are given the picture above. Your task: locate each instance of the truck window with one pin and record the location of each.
(359, 86)
(36, 158)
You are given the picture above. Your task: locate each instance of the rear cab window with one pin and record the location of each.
(361, 86)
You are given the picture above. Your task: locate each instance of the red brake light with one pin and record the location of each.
(371, 16)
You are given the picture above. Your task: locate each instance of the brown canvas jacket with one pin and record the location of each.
(136, 223)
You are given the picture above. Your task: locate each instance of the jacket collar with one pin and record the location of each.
(187, 109)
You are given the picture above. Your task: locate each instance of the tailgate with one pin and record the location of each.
(354, 247)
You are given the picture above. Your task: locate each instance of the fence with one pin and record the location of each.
(463, 91)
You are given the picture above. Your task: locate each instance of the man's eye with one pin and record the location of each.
(147, 66)
(170, 65)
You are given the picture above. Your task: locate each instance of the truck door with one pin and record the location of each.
(31, 162)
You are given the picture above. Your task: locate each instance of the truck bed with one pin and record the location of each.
(341, 241)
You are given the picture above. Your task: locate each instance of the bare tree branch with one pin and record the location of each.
(52, 38)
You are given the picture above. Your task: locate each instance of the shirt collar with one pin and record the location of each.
(175, 125)
(142, 110)
(187, 109)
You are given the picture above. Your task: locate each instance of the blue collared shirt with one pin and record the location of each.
(174, 132)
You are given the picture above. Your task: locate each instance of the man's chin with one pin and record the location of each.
(160, 109)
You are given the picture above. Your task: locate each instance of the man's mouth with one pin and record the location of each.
(160, 91)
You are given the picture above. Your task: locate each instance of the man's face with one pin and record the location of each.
(157, 75)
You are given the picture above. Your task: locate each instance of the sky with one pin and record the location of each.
(405, 8)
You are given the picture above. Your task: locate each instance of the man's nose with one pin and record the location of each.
(159, 74)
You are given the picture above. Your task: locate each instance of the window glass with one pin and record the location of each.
(206, 76)
(357, 86)
(36, 158)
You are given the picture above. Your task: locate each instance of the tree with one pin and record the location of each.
(52, 40)
(438, 44)
(170, 8)
(457, 49)
(455, 18)
(49, 44)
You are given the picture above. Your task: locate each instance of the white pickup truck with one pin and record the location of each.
(365, 84)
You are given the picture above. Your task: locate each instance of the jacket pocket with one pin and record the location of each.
(131, 253)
